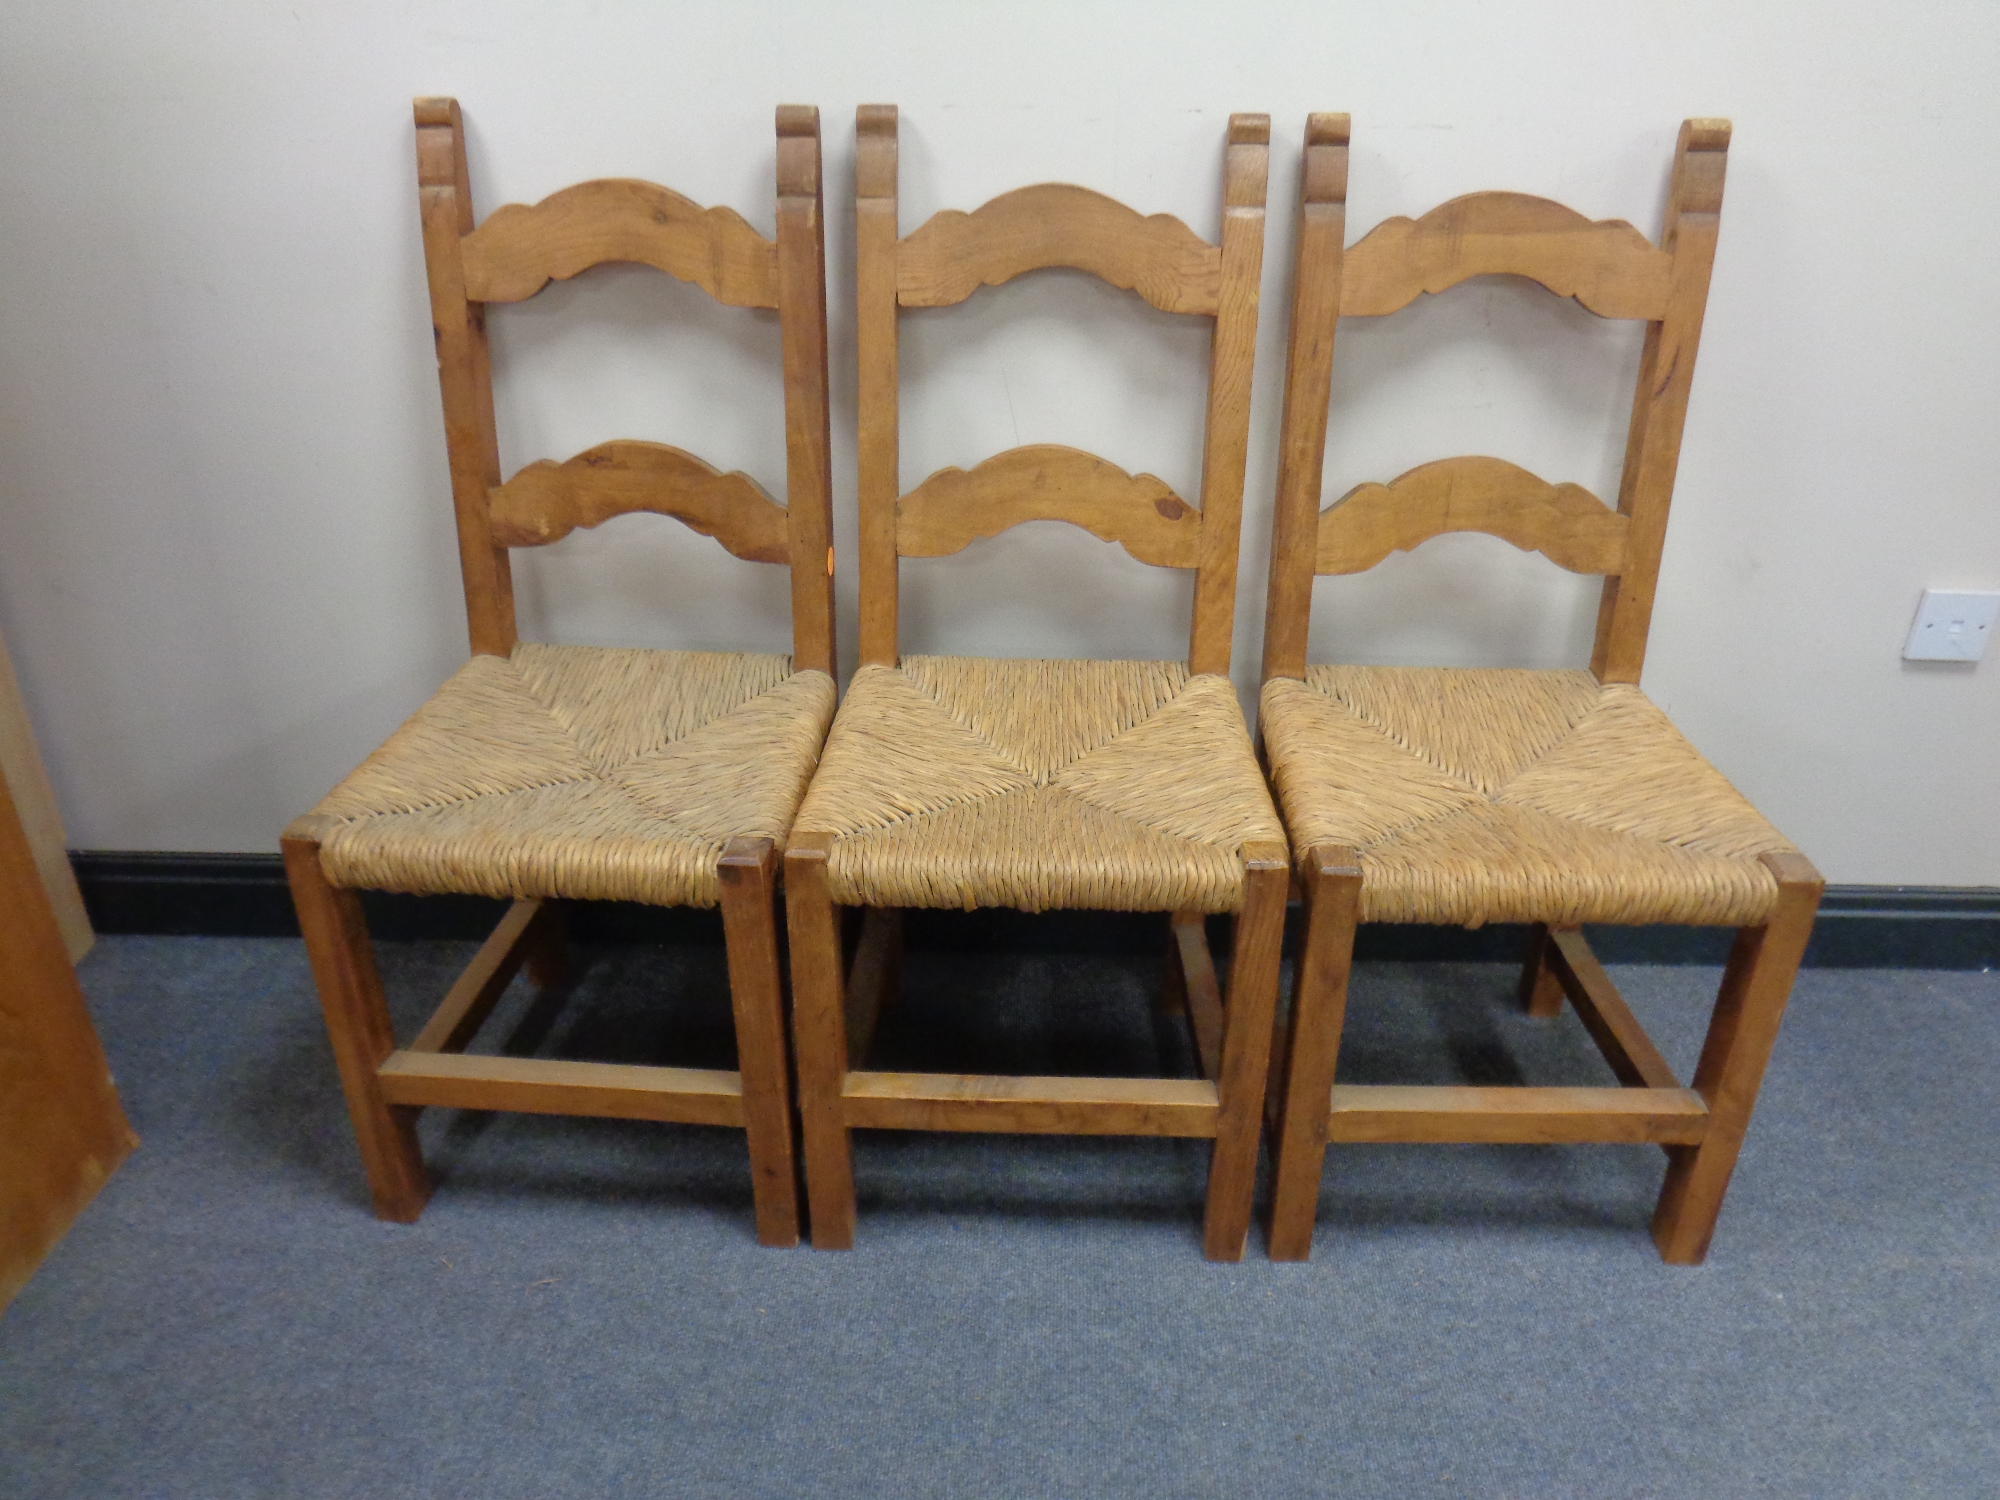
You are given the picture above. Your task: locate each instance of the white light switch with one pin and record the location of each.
(1951, 626)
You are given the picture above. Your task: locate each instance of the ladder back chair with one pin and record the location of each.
(549, 774)
(1467, 796)
(960, 782)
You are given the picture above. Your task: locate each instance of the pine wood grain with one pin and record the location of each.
(62, 1130)
(1046, 482)
(748, 868)
(1246, 1049)
(1319, 241)
(358, 1027)
(1741, 1033)
(546, 501)
(465, 375)
(1246, 170)
(819, 1040)
(880, 475)
(522, 247)
(27, 779)
(547, 1086)
(1564, 522)
(1029, 1105)
(1332, 879)
(1608, 266)
(1456, 1114)
(808, 423)
(953, 254)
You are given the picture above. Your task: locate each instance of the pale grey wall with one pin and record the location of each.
(226, 558)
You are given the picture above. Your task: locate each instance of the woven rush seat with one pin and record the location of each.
(1476, 796)
(1110, 785)
(582, 772)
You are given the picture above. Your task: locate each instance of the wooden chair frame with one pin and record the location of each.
(1611, 269)
(941, 263)
(510, 257)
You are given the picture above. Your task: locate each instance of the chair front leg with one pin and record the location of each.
(1332, 880)
(748, 869)
(357, 1024)
(1246, 1049)
(819, 1037)
(1744, 1028)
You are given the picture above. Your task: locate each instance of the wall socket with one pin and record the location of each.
(1951, 626)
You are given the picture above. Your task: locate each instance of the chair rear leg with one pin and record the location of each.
(748, 869)
(1741, 1033)
(1312, 1048)
(819, 1037)
(1541, 991)
(548, 962)
(357, 1024)
(1246, 1049)
(1171, 998)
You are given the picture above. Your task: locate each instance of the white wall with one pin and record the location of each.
(226, 557)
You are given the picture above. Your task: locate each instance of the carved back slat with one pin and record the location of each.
(1564, 522)
(1609, 268)
(522, 247)
(516, 252)
(951, 256)
(546, 501)
(1046, 482)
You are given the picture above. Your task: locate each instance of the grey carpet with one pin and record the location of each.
(583, 1311)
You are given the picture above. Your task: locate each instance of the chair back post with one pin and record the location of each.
(1226, 441)
(1321, 241)
(802, 321)
(875, 338)
(1659, 403)
(465, 376)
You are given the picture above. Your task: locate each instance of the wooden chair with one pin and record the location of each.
(965, 782)
(1472, 796)
(557, 773)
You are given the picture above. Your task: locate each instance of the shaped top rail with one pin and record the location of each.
(952, 254)
(521, 247)
(1606, 265)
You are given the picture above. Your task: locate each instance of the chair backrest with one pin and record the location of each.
(1610, 268)
(518, 251)
(953, 254)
